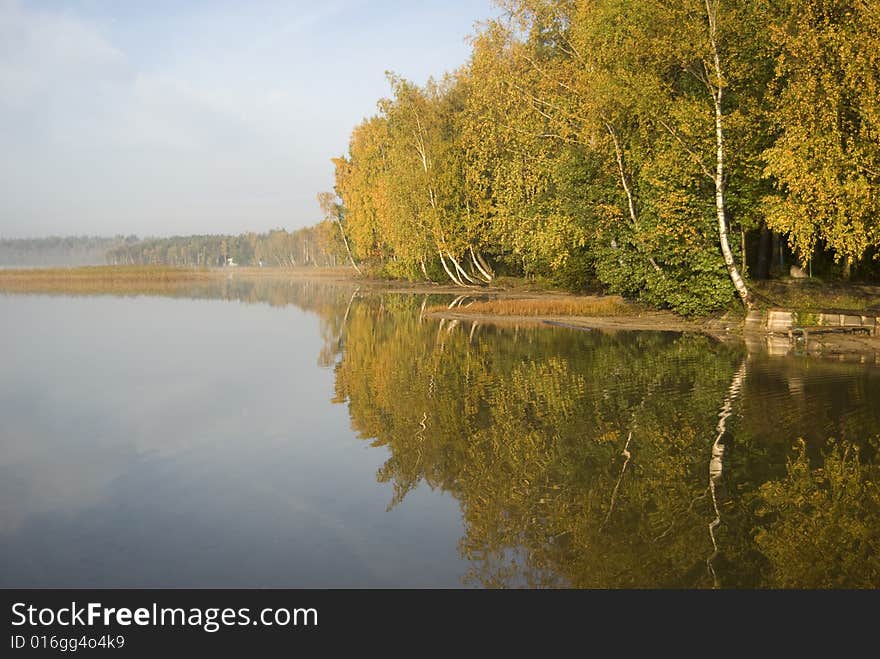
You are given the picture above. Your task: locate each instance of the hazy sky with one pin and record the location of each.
(173, 117)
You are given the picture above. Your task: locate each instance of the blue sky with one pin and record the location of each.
(170, 117)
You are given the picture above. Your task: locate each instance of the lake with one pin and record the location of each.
(309, 434)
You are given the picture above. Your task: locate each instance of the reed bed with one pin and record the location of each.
(611, 305)
(101, 279)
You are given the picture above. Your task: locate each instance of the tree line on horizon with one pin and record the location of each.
(318, 246)
(672, 152)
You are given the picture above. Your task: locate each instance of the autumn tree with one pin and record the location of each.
(826, 160)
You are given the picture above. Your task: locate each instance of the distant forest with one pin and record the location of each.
(310, 246)
(319, 245)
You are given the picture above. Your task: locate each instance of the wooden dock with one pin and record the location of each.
(793, 325)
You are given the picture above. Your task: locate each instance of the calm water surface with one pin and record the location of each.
(304, 434)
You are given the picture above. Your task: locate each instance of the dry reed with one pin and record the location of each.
(611, 305)
(101, 279)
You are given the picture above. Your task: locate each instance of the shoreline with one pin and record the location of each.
(845, 347)
(159, 279)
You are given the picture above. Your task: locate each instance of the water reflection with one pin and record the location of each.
(580, 459)
(365, 443)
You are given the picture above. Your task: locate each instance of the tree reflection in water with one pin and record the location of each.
(579, 458)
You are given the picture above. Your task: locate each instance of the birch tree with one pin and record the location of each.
(332, 212)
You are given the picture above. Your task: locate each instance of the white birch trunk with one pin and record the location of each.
(455, 279)
(479, 266)
(629, 196)
(347, 248)
(738, 282)
(461, 270)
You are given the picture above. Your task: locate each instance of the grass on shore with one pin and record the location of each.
(557, 305)
(144, 279)
(100, 279)
(815, 295)
(105, 273)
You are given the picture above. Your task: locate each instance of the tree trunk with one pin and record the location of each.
(455, 279)
(629, 196)
(483, 271)
(347, 248)
(720, 206)
(776, 251)
(461, 270)
(485, 266)
(765, 247)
